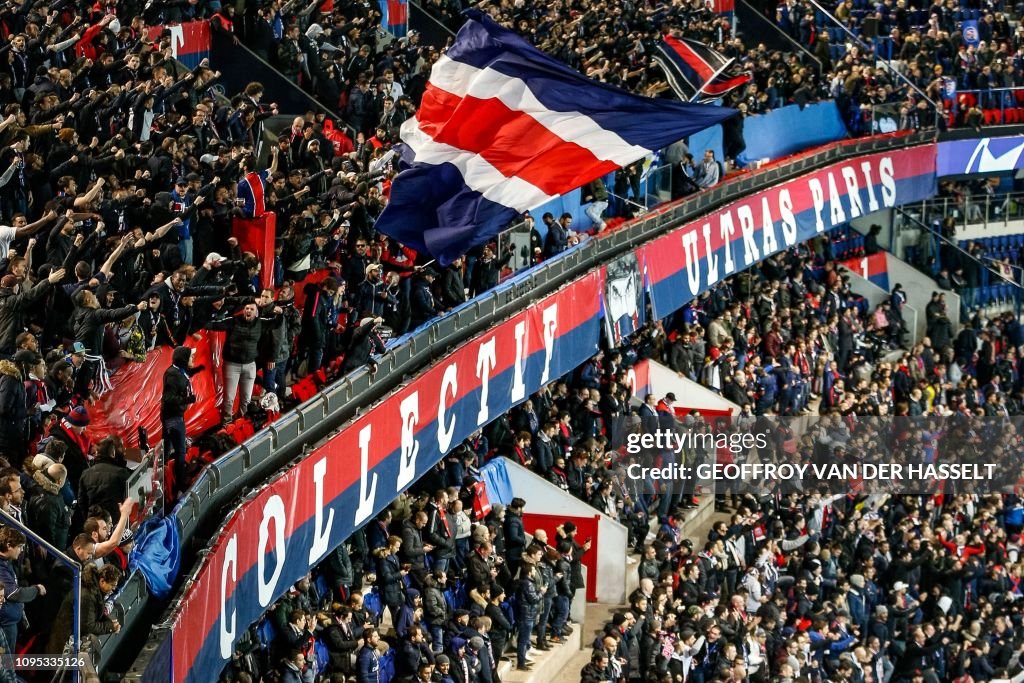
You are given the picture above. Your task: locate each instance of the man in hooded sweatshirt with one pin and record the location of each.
(177, 397)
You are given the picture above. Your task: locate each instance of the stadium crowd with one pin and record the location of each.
(855, 585)
(121, 173)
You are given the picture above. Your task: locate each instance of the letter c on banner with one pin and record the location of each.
(449, 384)
(227, 633)
(409, 410)
(273, 510)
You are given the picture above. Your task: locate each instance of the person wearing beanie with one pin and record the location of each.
(177, 397)
(444, 670)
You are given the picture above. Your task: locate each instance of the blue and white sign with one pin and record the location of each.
(987, 155)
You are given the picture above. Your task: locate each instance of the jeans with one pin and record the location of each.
(314, 357)
(545, 616)
(594, 211)
(185, 247)
(560, 613)
(524, 628)
(238, 376)
(174, 442)
(273, 380)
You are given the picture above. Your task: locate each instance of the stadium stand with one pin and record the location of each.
(122, 176)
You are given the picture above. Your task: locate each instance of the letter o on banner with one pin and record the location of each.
(272, 511)
(227, 622)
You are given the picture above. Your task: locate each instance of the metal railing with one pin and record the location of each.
(991, 98)
(74, 647)
(984, 210)
(989, 267)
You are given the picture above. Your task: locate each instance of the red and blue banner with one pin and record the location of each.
(274, 538)
(701, 68)
(190, 42)
(395, 17)
(504, 128)
(689, 260)
(871, 268)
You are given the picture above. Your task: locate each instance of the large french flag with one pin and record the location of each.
(503, 128)
(696, 65)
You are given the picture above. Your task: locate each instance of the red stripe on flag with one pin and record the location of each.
(721, 87)
(695, 61)
(511, 141)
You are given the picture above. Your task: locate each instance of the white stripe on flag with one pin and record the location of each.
(465, 80)
(477, 172)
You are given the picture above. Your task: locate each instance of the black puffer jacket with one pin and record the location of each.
(47, 514)
(103, 484)
(243, 341)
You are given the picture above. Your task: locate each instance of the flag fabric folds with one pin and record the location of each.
(503, 128)
(693, 67)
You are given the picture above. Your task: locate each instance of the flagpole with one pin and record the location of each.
(713, 77)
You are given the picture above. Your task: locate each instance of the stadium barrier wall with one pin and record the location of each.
(788, 130)
(689, 394)
(283, 441)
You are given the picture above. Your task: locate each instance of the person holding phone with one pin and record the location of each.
(12, 611)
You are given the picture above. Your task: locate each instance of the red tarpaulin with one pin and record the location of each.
(135, 399)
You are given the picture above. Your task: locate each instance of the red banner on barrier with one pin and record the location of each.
(276, 537)
(134, 400)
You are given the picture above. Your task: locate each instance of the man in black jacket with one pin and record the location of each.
(424, 305)
(240, 351)
(515, 534)
(177, 397)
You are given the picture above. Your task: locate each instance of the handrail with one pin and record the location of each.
(867, 48)
(788, 38)
(434, 19)
(250, 56)
(935, 233)
(338, 404)
(76, 578)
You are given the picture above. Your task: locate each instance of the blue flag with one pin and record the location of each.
(969, 29)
